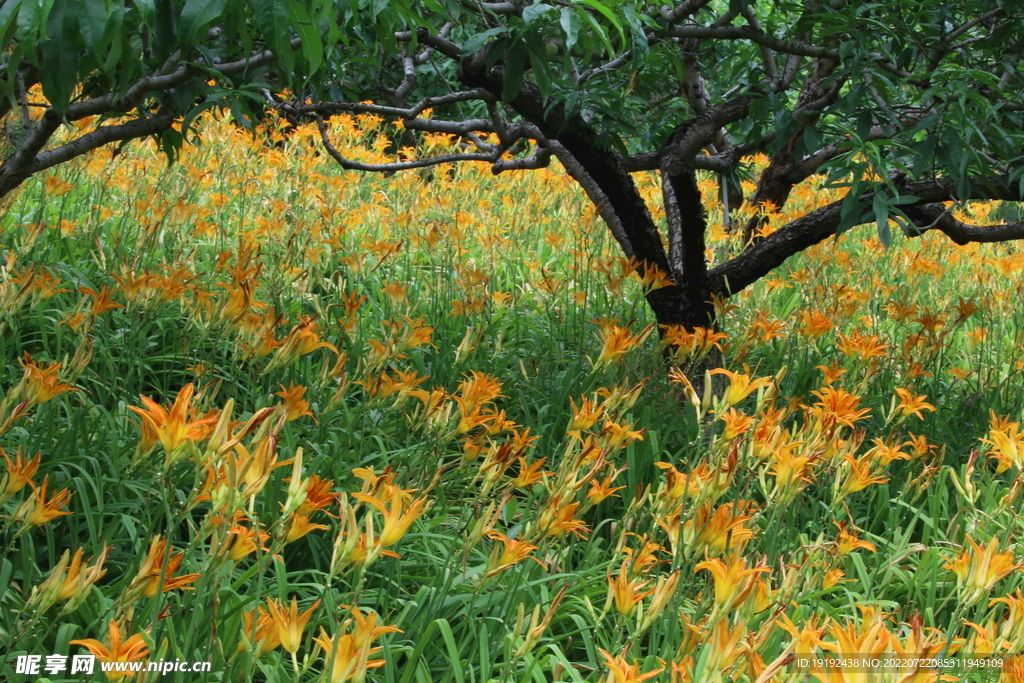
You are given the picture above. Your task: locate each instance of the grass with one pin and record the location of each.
(433, 398)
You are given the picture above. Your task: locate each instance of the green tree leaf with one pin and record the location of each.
(312, 45)
(59, 73)
(196, 16)
(570, 21)
(93, 16)
(515, 64)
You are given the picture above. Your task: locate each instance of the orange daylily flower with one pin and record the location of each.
(40, 385)
(298, 526)
(294, 405)
(101, 302)
(1007, 443)
(620, 671)
(265, 634)
(837, 407)
(18, 474)
(173, 427)
(37, 510)
(740, 386)
(79, 577)
(912, 405)
(68, 582)
(396, 519)
(860, 475)
(348, 654)
(736, 423)
(529, 473)
(245, 540)
(290, 624)
(318, 495)
(733, 581)
(158, 566)
(117, 651)
(584, 416)
(557, 519)
(601, 490)
(847, 541)
(617, 340)
(979, 568)
(624, 592)
(718, 530)
(510, 553)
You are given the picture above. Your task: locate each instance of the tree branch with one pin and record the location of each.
(439, 43)
(760, 259)
(929, 217)
(19, 167)
(405, 113)
(676, 14)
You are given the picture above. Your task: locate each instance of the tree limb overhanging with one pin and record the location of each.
(912, 106)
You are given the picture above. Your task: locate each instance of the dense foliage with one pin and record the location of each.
(255, 380)
(908, 105)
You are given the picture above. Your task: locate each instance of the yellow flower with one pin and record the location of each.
(264, 633)
(979, 568)
(173, 427)
(299, 526)
(617, 340)
(859, 476)
(294, 405)
(348, 654)
(290, 624)
(510, 553)
(396, 519)
(128, 651)
(1007, 443)
(740, 386)
(558, 518)
(37, 510)
(620, 671)
(733, 581)
(40, 385)
(624, 592)
(847, 542)
(156, 567)
(912, 405)
(18, 474)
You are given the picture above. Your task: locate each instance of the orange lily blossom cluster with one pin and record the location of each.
(391, 314)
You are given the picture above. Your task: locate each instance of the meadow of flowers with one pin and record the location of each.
(307, 424)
